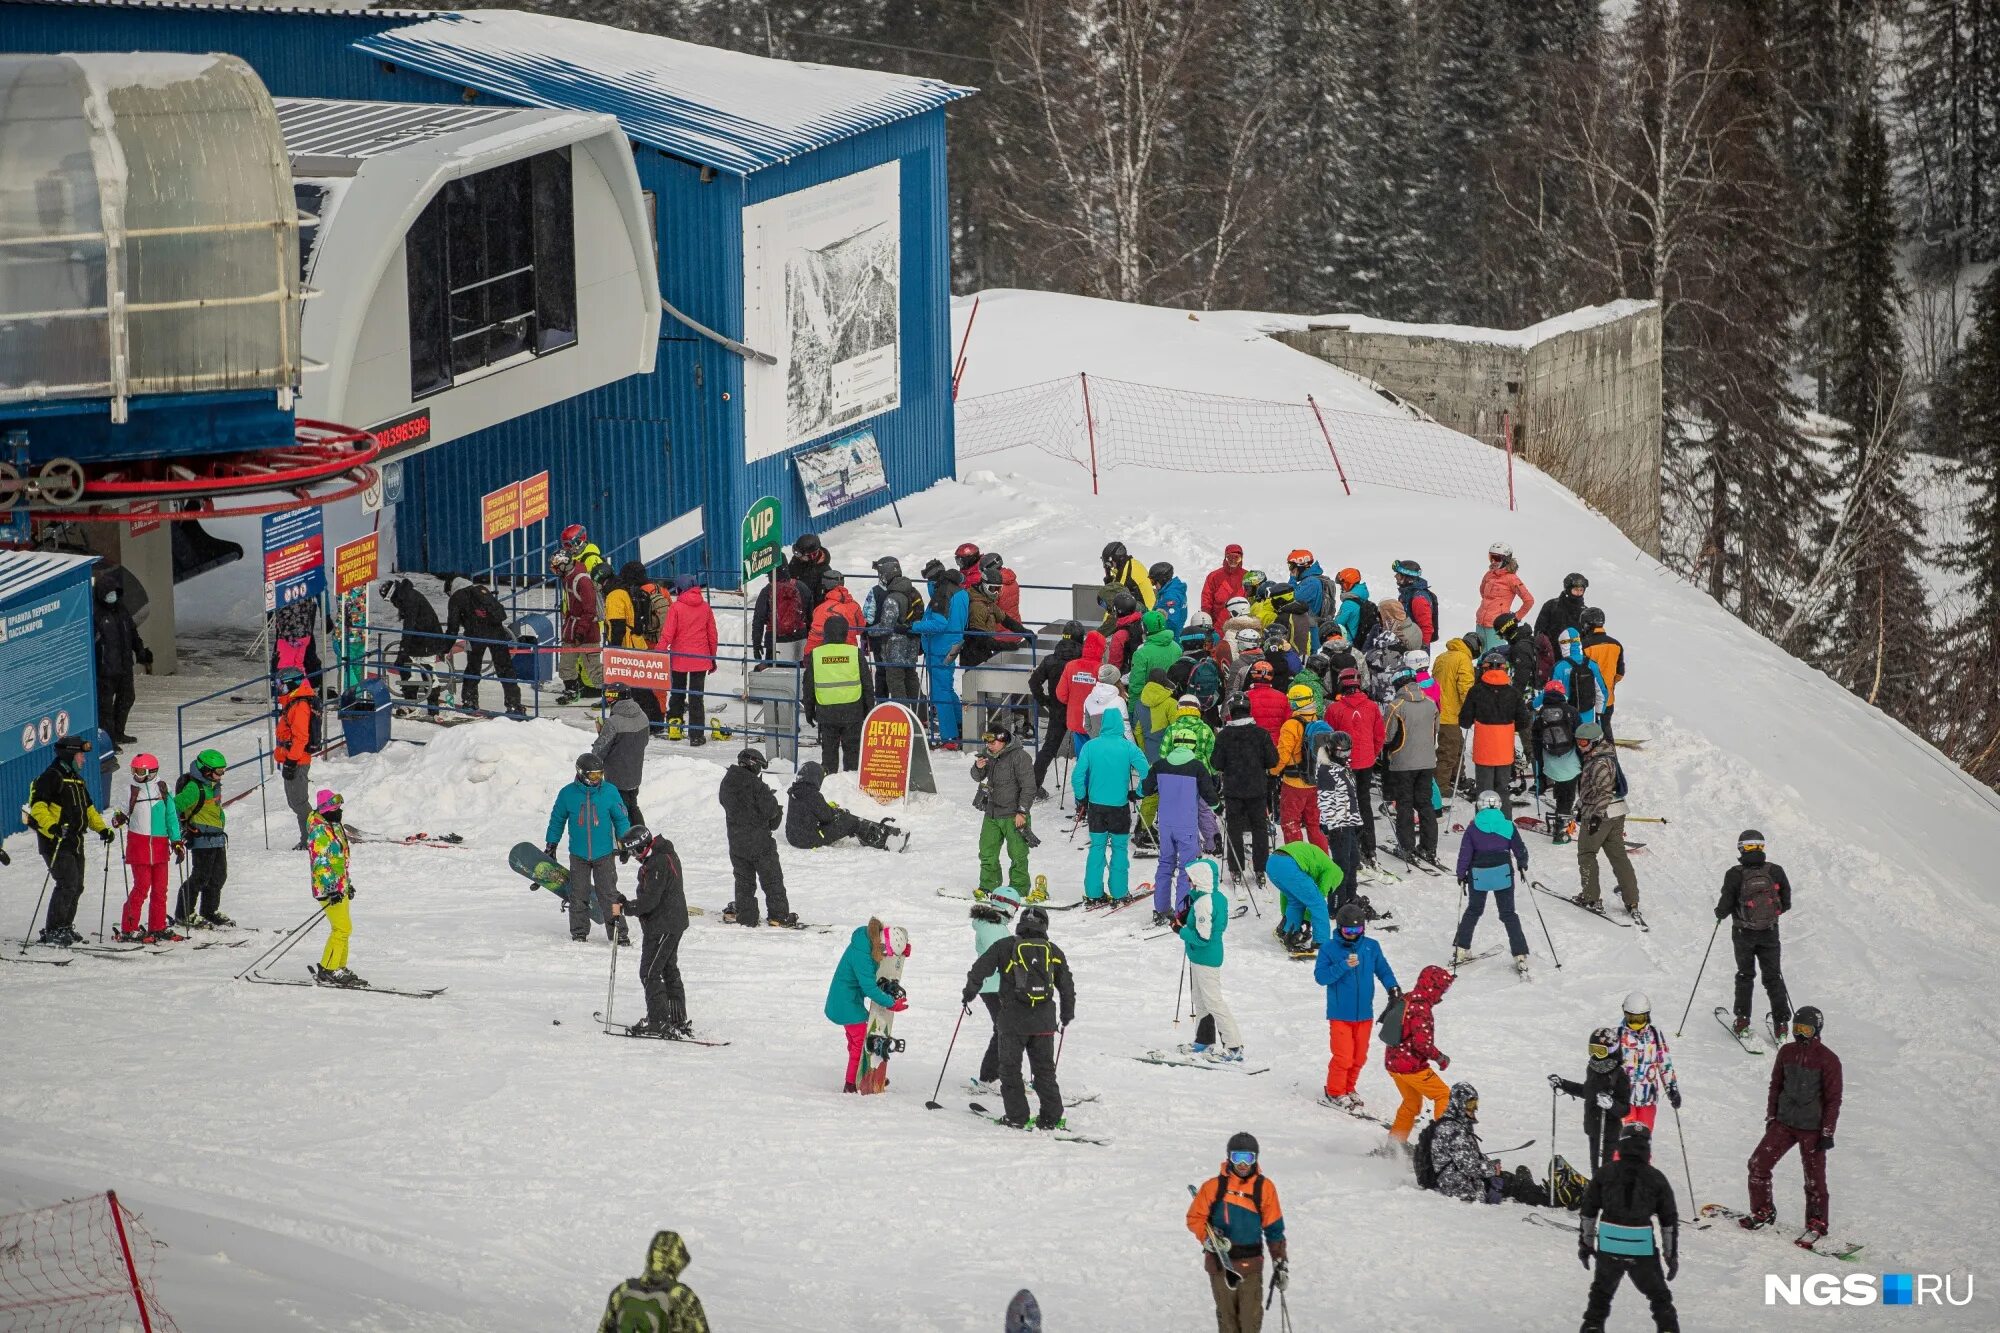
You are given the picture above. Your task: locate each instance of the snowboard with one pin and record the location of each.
(1747, 1040)
(1024, 1313)
(878, 1045)
(544, 872)
(1714, 1214)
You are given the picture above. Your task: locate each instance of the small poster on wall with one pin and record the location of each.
(822, 288)
(836, 475)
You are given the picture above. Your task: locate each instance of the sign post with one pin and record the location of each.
(895, 754)
(294, 556)
(763, 530)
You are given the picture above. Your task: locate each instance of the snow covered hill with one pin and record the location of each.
(486, 1160)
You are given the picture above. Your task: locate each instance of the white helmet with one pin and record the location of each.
(1638, 1003)
(1200, 620)
(1489, 800)
(1500, 550)
(1417, 660)
(1238, 606)
(1249, 638)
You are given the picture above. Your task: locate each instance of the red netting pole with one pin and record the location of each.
(1328, 435)
(958, 366)
(131, 1269)
(1090, 427)
(1507, 438)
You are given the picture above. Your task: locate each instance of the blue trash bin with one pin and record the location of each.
(531, 666)
(365, 716)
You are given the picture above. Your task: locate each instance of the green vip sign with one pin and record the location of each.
(761, 531)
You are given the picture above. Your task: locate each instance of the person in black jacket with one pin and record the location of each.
(1618, 1212)
(813, 821)
(751, 814)
(1042, 682)
(421, 641)
(118, 647)
(1755, 893)
(661, 906)
(60, 811)
(476, 614)
(1521, 655)
(838, 692)
(1564, 612)
(1037, 999)
(809, 564)
(1606, 1093)
(1244, 757)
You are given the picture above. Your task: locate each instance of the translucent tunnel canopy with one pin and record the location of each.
(148, 233)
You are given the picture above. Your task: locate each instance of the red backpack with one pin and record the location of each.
(788, 610)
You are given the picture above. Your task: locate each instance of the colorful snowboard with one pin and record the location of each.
(879, 1045)
(543, 872)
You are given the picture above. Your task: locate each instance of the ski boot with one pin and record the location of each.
(132, 936)
(580, 936)
(1740, 1025)
(1587, 905)
(645, 1027)
(1163, 919)
(849, 1087)
(1040, 893)
(52, 938)
(675, 731)
(697, 737)
(1193, 1048)
(214, 919)
(788, 919)
(716, 731)
(1226, 1055)
(1521, 963)
(164, 936)
(1460, 956)
(1814, 1233)
(1758, 1219)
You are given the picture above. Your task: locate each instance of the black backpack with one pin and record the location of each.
(1368, 621)
(486, 615)
(1031, 973)
(1583, 686)
(1757, 899)
(1557, 738)
(316, 730)
(1421, 1160)
(1390, 1024)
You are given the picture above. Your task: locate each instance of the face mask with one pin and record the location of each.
(330, 816)
(111, 599)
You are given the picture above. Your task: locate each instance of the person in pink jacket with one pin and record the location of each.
(1501, 585)
(689, 635)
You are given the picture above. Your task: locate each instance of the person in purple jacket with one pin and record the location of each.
(1486, 862)
(1185, 788)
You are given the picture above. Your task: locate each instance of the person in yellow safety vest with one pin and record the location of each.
(838, 695)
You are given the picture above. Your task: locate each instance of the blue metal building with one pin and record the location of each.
(49, 664)
(628, 458)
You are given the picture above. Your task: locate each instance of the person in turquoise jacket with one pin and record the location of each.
(992, 921)
(854, 985)
(1107, 771)
(1158, 650)
(1170, 596)
(1349, 965)
(942, 630)
(595, 815)
(1201, 928)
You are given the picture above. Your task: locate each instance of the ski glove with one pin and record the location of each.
(1444, 1062)
(118, 819)
(1826, 1143)
(5, 860)
(105, 835)
(1604, 1101)
(1556, 1081)
(902, 1003)
(1670, 1245)
(1583, 1252)
(549, 850)
(1281, 1274)
(288, 769)
(1674, 1096)
(180, 852)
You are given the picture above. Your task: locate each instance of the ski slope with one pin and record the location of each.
(487, 1160)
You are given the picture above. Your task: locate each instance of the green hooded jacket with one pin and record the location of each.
(657, 1302)
(1160, 649)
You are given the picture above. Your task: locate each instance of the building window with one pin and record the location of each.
(492, 271)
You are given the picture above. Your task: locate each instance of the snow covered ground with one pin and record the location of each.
(487, 1160)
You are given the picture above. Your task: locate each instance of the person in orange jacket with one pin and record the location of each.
(1298, 795)
(1501, 584)
(835, 600)
(1496, 709)
(1234, 1216)
(297, 705)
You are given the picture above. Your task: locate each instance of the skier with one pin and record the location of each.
(579, 634)
(1158, 651)
(1340, 656)
(597, 822)
(1558, 765)
(1182, 787)
(1517, 641)
(658, 1301)
(1310, 886)
(1602, 816)
(1454, 672)
(778, 623)
(1316, 593)
(1006, 778)
(59, 807)
(992, 921)
(1169, 596)
(1349, 965)
(1037, 999)
(1583, 686)
(1103, 777)
(1618, 1212)
(1412, 754)
(1074, 688)
(1241, 1207)
(808, 567)
(942, 629)
(1200, 923)
(298, 711)
(1609, 655)
(834, 600)
(1648, 1064)
(1298, 797)
(474, 614)
(1357, 609)
(1127, 630)
(198, 803)
(118, 646)
(1120, 567)
(1497, 709)
(622, 734)
(1564, 612)
(1044, 688)
(1224, 585)
(838, 693)
(689, 634)
(332, 887)
(1340, 815)
(1755, 894)
(1409, 1060)
(750, 815)
(152, 831)
(1355, 713)
(1801, 1109)
(1486, 861)
(1414, 591)
(1500, 586)
(813, 821)
(660, 903)
(1606, 1093)
(891, 608)
(575, 543)
(1271, 709)
(1244, 753)
(1157, 702)
(1196, 671)
(854, 984)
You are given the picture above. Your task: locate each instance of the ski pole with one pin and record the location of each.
(1645, 819)
(611, 988)
(103, 895)
(1179, 981)
(292, 936)
(1062, 1032)
(1555, 1098)
(1697, 976)
(1545, 930)
(47, 876)
(1687, 1170)
(934, 1104)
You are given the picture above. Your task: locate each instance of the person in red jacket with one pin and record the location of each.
(689, 634)
(579, 633)
(1409, 1060)
(1075, 686)
(1223, 584)
(1267, 703)
(1352, 711)
(1801, 1110)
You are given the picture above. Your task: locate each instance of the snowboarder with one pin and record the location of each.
(854, 985)
(152, 832)
(1409, 1060)
(1500, 586)
(1298, 797)
(1201, 923)
(1037, 1000)
(1244, 753)
(1801, 1109)
(1354, 713)
(689, 634)
(1558, 765)
(1006, 778)
(942, 629)
(1606, 1094)
(298, 709)
(474, 614)
(1755, 894)
(1240, 1205)
(60, 809)
(1224, 585)
(1601, 814)
(1411, 748)
(1348, 966)
(992, 921)
(578, 633)
(595, 816)
(1618, 1212)
(1648, 1064)
(892, 607)
(1102, 781)
(204, 824)
(660, 903)
(622, 734)
(750, 815)
(1340, 813)
(658, 1301)
(838, 693)
(332, 887)
(813, 821)
(1182, 787)
(1492, 848)
(1307, 881)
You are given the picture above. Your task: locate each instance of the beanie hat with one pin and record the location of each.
(1108, 674)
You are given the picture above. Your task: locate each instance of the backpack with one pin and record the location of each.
(1309, 748)
(1545, 661)
(1557, 739)
(1329, 604)
(983, 609)
(485, 614)
(1422, 1161)
(1436, 617)
(788, 609)
(1032, 982)
(1390, 1024)
(315, 730)
(1582, 683)
(1757, 899)
(652, 605)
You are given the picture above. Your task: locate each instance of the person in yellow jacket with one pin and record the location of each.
(60, 811)
(1453, 670)
(1298, 795)
(1120, 568)
(333, 888)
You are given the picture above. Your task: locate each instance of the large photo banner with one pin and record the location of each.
(822, 283)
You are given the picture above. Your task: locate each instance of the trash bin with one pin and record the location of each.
(364, 717)
(532, 666)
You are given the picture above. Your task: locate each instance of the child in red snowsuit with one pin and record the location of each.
(152, 830)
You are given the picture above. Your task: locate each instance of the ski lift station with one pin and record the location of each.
(500, 244)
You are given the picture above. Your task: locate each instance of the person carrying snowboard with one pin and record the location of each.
(1600, 813)
(594, 814)
(750, 816)
(1649, 1065)
(1486, 860)
(1006, 777)
(1755, 893)
(332, 887)
(152, 833)
(1606, 1093)
(660, 903)
(621, 744)
(60, 810)
(854, 985)
(992, 921)
(1619, 1208)
(1240, 1207)
(1037, 1000)
(1182, 787)
(813, 821)
(657, 1301)
(1349, 965)
(1801, 1110)
(1101, 780)
(1200, 924)
(1409, 1060)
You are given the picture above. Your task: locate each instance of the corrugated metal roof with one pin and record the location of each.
(23, 570)
(321, 127)
(724, 109)
(345, 11)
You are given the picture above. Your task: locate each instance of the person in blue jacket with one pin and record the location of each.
(595, 816)
(1169, 596)
(1570, 668)
(1309, 587)
(1353, 597)
(854, 984)
(1486, 861)
(1349, 965)
(942, 629)
(1106, 772)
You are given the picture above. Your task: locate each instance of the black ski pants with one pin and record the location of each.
(114, 702)
(632, 811)
(1759, 949)
(1241, 815)
(201, 891)
(1364, 795)
(989, 1063)
(1054, 733)
(660, 974)
(503, 669)
(839, 745)
(66, 870)
(749, 870)
(1040, 1048)
(418, 650)
(689, 698)
(1646, 1275)
(1416, 817)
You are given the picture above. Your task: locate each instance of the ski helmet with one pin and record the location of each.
(1593, 617)
(1493, 657)
(753, 759)
(1499, 551)
(1239, 705)
(1160, 572)
(1417, 660)
(559, 563)
(1242, 1141)
(1248, 638)
(1253, 579)
(1281, 592)
(1301, 698)
(1200, 620)
(1807, 1023)
(1349, 678)
(808, 544)
(1749, 840)
(967, 555)
(1318, 664)
(1343, 744)
(150, 763)
(1407, 569)
(1557, 688)
(1261, 671)
(1300, 558)
(1401, 677)
(1635, 1141)
(1007, 898)
(638, 841)
(1575, 582)
(830, 578)
(1237, 606)
(589, 766)
(71, 746)
(290, 679)
(1603, 1041)
(573, 538)
(1347, 578)
(1124, 604)
(1489, 800)
(1638, 1005)
(993, 561)
(1351, 919)
(888, 568)
(1034, 920)
(210, 764)
(1590, 733)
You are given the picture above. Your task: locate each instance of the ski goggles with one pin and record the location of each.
(1598, 1051)
(1801, 1029)
(143, 773)
(1352, 932)
(1638, 1022)
(1243, 1159)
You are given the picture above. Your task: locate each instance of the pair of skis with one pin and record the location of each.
(1637, 918)
(1747, 1039)
(625, 1030)
(312, 970)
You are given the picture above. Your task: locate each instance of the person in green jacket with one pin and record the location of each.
(658, 1302)
(204, 827)
(1159, 650)
(854, 985)
(1306, 878)
(1106, 771)
(992, 921)
(1201, 926)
